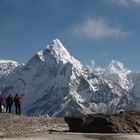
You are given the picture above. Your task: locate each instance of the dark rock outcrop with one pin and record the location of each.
(125, 122)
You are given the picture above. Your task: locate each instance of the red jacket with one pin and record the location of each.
(1, 98)
(20, 97)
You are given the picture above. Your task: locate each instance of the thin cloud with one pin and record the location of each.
(97, 29)
(126, 2)
(104, 54)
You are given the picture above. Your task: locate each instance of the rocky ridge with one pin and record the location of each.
(13, 125)
(21, 126)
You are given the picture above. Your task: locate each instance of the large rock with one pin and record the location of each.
(125, 122)
(75, 123)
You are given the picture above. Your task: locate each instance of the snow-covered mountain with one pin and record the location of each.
(55, 83)
(116, 72)
(134, 79)
(7, 66)
(120, 75)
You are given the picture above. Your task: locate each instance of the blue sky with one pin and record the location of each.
(99, 30)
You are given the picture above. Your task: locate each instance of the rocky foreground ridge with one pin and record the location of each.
(19, 126)
(125, 122)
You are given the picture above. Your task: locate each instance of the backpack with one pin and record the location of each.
(9, 100)
(17, 100)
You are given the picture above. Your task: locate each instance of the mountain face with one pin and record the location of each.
(7, 66)
(116, 72)
(134, 79)
(123, 77)
(55, 83)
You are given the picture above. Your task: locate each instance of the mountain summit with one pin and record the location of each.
(58, 51)
(117, 67)
(55, 83)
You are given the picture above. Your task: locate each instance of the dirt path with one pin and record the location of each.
(76, 136)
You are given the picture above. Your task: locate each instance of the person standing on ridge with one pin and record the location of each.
(17, 101)
(1, 100)
(9, 103)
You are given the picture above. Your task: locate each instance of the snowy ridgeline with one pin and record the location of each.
(55, 83)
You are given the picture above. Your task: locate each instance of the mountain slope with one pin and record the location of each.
(116, 72)
(7, 66)
(55, 83)
(134, 79)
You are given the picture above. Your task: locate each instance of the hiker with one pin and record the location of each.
(1, 100)
(17, 101)
(9, 103)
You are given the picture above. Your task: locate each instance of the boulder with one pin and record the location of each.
(125, 122)
(75, 123)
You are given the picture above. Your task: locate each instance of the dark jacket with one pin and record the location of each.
(9, 100)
